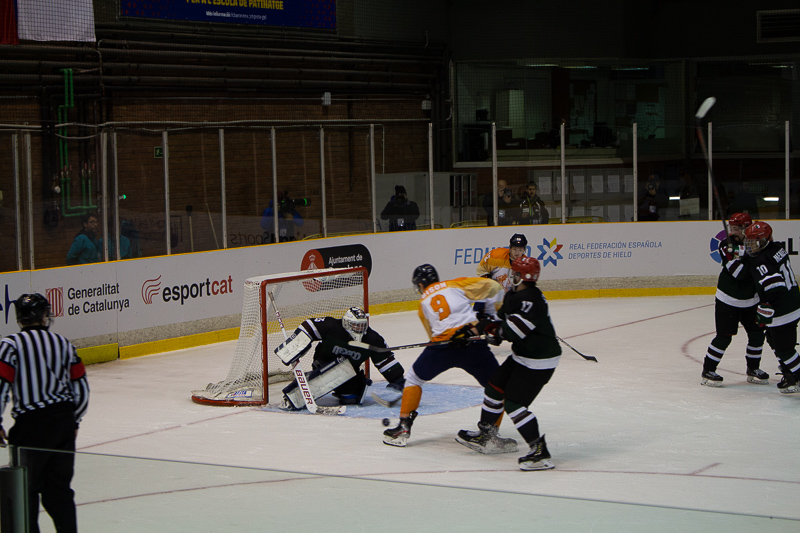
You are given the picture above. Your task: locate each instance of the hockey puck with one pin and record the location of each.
(386, 421)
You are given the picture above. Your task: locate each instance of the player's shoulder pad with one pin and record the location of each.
(498, 257)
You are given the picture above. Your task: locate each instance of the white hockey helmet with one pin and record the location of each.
(355, 322)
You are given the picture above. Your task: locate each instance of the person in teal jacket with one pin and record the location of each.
(85, 247)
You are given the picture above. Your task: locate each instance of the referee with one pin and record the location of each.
(48, 381)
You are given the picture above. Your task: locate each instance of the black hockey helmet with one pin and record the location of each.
(518, 239)
(32, 309)
(424, 274)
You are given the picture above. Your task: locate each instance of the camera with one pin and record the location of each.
(287, 204)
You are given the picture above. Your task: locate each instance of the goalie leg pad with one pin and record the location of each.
(294, 347)
(321, 381)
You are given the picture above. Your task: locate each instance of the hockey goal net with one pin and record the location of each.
(274, 306)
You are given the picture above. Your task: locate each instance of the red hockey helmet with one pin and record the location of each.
(756, 237)
(740, 219)
(528, 268)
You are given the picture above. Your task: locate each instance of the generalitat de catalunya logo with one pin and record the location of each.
(549, 252)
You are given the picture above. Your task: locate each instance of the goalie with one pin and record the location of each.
(337, 366)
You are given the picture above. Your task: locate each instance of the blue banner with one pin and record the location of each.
(294, 13)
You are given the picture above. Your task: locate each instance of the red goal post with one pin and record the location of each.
(297, 296)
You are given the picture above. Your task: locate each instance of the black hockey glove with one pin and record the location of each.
(494, 333)
(461, 337)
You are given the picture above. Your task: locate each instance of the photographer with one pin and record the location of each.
(651, 201)
(401, 212)
(288, 218)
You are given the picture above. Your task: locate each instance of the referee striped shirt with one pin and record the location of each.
(41, 368)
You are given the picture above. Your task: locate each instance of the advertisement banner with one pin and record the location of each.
(319, 14)
(106, 298)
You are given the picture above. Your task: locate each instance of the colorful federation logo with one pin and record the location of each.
(714, 244)
(549, 252)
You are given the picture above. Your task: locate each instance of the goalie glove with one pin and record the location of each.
(764, 314)
(494, 333)
(294, 347)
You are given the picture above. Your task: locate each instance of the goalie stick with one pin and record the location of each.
(300, 376)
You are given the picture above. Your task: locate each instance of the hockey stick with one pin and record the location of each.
(587, 357)
(299, 375)
(702, 111)
(384, 349)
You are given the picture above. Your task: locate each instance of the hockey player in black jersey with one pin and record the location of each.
(339, 367)
(735, 302)
(525, 322)
(779, 310)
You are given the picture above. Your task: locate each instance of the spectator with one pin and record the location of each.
(47, 379)
(125, 248)
(401, 212)
(288, 220)
(85, 247)
(651, 201)
(532, 209)
(506, 206)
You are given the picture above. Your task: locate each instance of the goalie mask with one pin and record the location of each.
(355, 323)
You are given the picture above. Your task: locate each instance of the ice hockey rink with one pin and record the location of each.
(638, 443)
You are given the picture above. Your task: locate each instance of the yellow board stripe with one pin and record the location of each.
(99, 354)
(178, 343)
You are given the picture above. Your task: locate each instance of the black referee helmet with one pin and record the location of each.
(32, 309)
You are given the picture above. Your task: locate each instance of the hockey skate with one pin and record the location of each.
(398, 436)
(710, 379)
(788, 385)
(756, 375)
(485, 440)
(538, 459)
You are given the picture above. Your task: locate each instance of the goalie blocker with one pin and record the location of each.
(320, 381)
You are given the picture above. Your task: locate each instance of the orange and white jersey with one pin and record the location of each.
(497, 263)
(446, 306)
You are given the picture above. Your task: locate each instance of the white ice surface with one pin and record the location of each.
(636, 428)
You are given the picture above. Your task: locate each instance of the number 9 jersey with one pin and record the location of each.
(446, 306)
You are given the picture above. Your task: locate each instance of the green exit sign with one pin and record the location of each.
(158, 152)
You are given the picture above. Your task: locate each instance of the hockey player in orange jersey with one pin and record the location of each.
(496, 265)
(446, 312)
